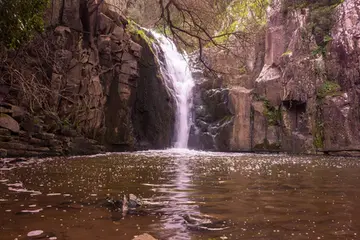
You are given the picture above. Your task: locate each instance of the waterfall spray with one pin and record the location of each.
(176, 71)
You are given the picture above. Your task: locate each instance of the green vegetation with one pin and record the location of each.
(321, 22)
(20, 20)
(241, 16)
(242, 70)
(224, 35)
(318, 133)
(287, 53)
(272, 114)
(226, 118)
(319, 139)
(243, 9)
(319, 50)
(328, 88)
(139, 33)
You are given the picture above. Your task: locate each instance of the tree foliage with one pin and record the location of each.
(20, 19)
(197, 24)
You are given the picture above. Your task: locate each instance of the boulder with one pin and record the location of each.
(8, 122)
(144, 236)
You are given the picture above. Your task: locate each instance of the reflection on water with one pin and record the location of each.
(185, 194)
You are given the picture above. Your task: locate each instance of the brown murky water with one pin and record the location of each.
(186, 195)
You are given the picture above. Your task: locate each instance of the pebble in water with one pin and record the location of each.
(35, 233)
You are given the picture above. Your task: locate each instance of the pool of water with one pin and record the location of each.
(184, 194)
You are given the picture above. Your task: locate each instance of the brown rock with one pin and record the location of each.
(340, 120)
(144, 236)
(268, 85)
(259, 123)
(44, 136)
(118, 33)
(3, 152)
(12, 110)
(17, 112)
(95, 87)
(9, 123)
(36, 141)
(5, 110)
(241, 99)
(13, 145)
(136, 48)
(6, 138)
(71, 13)
(4, 132)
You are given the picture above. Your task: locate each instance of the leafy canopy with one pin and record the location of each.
(19, 21)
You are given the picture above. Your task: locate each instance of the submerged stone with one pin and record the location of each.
(144, 236)
(35, 233)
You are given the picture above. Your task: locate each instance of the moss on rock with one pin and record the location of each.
(138, 33)
(328, 88)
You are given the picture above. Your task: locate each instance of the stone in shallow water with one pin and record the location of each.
(35, 233)
(144, 236)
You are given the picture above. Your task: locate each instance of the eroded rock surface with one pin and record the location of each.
(305, 97)
(96, 88)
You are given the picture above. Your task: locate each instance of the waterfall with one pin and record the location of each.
(176, 72)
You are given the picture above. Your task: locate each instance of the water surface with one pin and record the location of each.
(185, 194)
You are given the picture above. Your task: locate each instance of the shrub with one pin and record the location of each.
(20, 20)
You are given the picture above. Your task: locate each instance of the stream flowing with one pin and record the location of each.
(185, 195)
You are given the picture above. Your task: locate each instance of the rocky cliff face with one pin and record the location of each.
(86, 85)
(304, 98)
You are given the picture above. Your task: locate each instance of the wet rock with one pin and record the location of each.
(212, 114)
(204, 223)
(154, 110)
(112, 204)
(144, 236)
(134, 201)
(40, 234)
(9, 123)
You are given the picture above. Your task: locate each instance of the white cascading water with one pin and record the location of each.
(176, 71)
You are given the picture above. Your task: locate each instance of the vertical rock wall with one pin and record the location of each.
(95, 93)
(305, 98)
